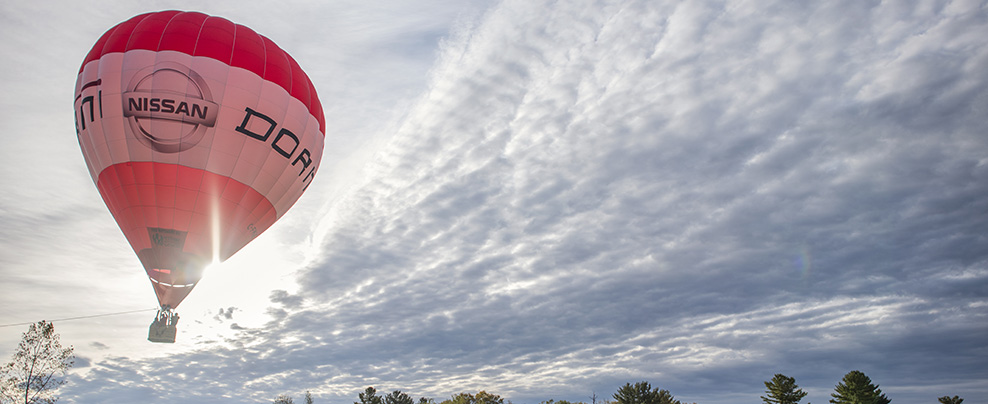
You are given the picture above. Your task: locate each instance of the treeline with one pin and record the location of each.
(854, 388)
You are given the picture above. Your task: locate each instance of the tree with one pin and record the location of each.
(397, 397)
(951, 400)
(284, 399)
(37, 367)
(783, 390)
(643, 393)
(369, 396)
(856, 388)
(482, 397)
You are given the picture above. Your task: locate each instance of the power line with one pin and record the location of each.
(81, 317)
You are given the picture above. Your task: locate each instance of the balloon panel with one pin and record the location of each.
(217, 38)
(179, 219)
(199, 134)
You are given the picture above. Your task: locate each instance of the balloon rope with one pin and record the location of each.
(82, 317)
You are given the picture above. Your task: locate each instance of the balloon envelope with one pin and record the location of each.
(199, 133)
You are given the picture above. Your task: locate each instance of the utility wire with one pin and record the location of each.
(80, 318)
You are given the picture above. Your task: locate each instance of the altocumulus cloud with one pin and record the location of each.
(699, 194)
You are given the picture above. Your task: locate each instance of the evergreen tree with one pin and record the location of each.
(643, 393)
(308, 397)
(951, 400)
(783, 390)
(397, 397)
(856, 388)
(369, 396)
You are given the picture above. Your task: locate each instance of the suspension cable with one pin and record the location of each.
(81, 317)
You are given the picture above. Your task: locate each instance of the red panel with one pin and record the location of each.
(133, 217)
(300, 82)
(130, 194)
(149, 214)
(117, 42)
(185, 199)
(266, 216)
(248, 51)
(234, 191)
(189, 178)
(251, 200)
(146, 194)
(213, 184)
(165, 196)
(143, 173)
(166, 174)
(277, 70)
(182, 218)
(182, 32)
(166, 218)
(216, 39)
(166, 209)
(147, 33)
(110, 203)
(315, 107)
(126, 176)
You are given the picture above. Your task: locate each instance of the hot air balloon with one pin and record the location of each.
(199, 134)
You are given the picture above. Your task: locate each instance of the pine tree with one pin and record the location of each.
(783, 390)
(856, 388)
(397, 397)
(951, 400)
(643, 393)
(369, 396)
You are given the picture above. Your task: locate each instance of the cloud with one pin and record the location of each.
(284, 298)
(224, 314)
(579, 179)
(698, 194)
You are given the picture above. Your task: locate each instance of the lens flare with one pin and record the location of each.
(216, 229)
(804, 262)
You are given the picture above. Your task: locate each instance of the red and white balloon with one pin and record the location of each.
(199, 133)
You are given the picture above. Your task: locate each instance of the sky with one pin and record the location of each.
(546, 200)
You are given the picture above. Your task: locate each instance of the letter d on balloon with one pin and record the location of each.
(243, 128)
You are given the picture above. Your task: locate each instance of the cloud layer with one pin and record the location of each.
(697, 194)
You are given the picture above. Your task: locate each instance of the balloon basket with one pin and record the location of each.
(163, 328)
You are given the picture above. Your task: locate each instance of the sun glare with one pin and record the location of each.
(216, 230)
